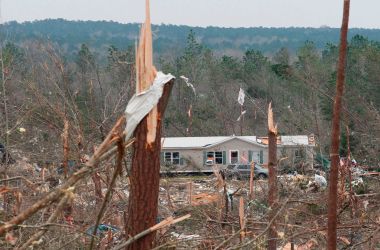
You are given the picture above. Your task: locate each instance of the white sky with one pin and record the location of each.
(225, 13)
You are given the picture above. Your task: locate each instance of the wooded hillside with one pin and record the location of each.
(42, 86)
(168, 38)
(79, 172)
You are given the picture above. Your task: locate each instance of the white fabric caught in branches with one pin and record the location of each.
(241, 97)
(142, 103)
(241, 115)
(188, 83)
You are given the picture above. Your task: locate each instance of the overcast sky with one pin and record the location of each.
(225, 13)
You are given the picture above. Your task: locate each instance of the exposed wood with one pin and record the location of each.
(190, 116)
(190, 192)
(241, 218)
(145, 171)
(251, 181)
(204, 198)
(144, 177)
(146, 72)
(272, 165)
(332, 205)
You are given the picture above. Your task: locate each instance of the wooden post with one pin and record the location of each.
(241, 219)
(252, 175)
(272, 165)
(190, 192)
(43, 170)
(332, 204)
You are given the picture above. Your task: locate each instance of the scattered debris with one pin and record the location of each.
(102, 229)
(320, 180)
(189, 84)
(241, 97)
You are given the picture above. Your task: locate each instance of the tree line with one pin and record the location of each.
(231, 41)
(44, 86)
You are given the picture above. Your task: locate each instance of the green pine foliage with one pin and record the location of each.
(85, 70)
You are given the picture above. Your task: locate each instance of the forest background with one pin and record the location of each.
(83, 71)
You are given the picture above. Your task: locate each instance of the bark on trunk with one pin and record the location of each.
(98, 187)
(251, 181)
(272, 165)
(332, 208)
(144, 177)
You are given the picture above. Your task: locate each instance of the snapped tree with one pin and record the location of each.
(145, 171)
(333, 185)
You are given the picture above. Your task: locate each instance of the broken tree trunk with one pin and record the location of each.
(251, 181)
(144, 177)
(332, 205)
(98, 187)
(97, 184)
(145, 171)
(241, 219)
(272, 165)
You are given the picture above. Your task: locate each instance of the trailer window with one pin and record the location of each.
(172, 158)
(216, 156)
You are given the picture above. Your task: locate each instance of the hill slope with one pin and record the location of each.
(233, 41)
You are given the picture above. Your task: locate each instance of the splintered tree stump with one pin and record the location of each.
(272, 182)
(144, 178)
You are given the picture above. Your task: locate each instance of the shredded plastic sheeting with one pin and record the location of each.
(320, 180)
(241, 97)
(188, 83)
(142, 103)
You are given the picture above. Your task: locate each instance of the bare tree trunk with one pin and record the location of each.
(272, 165)
(251, 181)
(65, 140)
(349, 169)
(97, 182)
(98, 187)
(332, 207)
(241, 120)
(144, 177)
(6, 117)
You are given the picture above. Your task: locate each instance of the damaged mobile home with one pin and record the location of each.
(194, 154)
